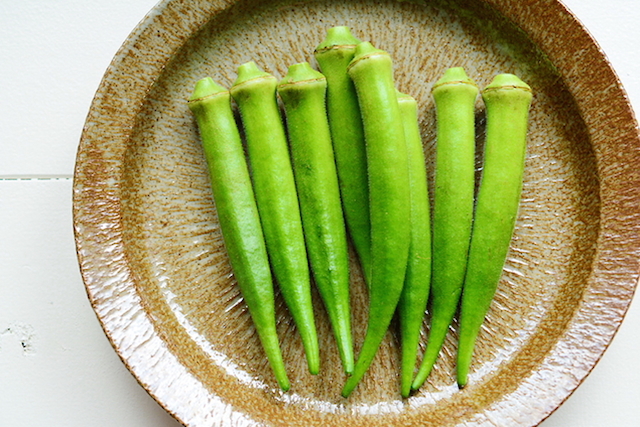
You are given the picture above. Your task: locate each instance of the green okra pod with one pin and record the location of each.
(455, 96)
(255, 93)
(507, 100)
(387, 163)
(413, 303)
(238, 214)
(303, 93)
(334, 55)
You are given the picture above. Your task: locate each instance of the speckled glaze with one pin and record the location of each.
(157, 275)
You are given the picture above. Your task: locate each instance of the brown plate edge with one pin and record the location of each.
(97, 210)
(598, 93)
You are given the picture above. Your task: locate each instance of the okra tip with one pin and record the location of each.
(204, 88)
(454, 75)
(336, 37)
(299, 73)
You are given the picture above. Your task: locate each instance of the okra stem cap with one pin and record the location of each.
(206, 87)
(366, 50)
(250, 71)
(507, 81)
(301, 72)
(336, 37)
(454, 75)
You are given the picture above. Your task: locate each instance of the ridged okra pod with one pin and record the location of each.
(507, 100)
(334, 55)
(303, 93)
(413, 303)
(255, 93)
(238, 214)
(372, 73)
(455, 96)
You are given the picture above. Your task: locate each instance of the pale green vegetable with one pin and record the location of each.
(334, 55)
(507, 100)
(412, 306)
(238, 214)
(255, 93)
(303, 93)
(455, 96)
(389, 196)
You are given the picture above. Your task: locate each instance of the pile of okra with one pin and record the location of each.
(344, 161)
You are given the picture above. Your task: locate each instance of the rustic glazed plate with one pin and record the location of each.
(157, 274)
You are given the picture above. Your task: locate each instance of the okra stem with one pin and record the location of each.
(238, 214)
(507, 100)
(274, 186)
(303, 93)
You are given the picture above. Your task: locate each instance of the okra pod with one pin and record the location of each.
(334, 55)
(412, 306)
(455, 96)
(372, 73)
(303, 93)
(255, 93)
(507, 100)
(238, 214)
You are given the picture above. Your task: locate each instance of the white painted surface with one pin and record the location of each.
(57, 368)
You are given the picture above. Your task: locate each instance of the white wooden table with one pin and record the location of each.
(57, 367)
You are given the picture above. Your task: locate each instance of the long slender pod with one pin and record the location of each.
(507, 100)
(455, 96)
(238, 214)
(255, 93)
(303, 93)
(411, 309)
(334, 55)
(372, 72)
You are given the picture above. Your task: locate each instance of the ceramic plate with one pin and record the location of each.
(159, 280)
